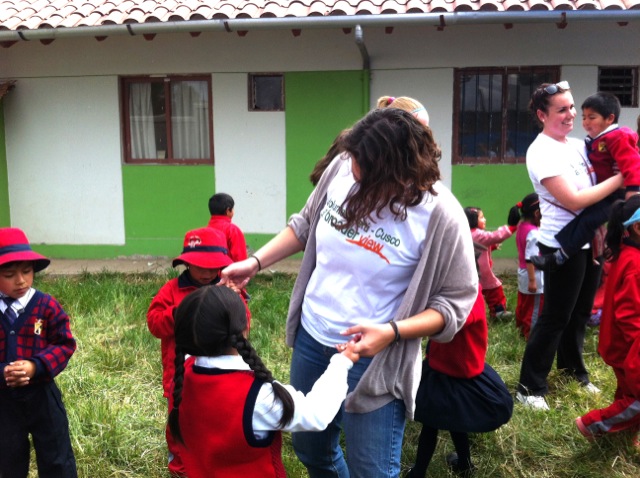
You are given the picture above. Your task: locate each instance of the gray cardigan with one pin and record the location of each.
(445, 280)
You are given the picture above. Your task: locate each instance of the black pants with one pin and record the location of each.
(582, 229)
(35, 410)
(560, 329)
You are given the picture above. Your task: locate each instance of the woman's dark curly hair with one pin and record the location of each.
(209, 322)
(398, 161)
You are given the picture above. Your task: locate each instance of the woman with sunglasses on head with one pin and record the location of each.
(563, 179)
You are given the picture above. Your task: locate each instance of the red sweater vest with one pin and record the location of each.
(215, 420)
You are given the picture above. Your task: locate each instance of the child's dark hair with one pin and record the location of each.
(525, 209)
(472, 216)
(621, 211)
(209, 322)
(219, 203)
(336, 148)
(605, 104)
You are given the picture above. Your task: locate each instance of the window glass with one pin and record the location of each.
(622, 82)
(492, 123)
(167, 120)
(266, 92)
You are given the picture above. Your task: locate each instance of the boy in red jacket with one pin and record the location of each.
(619, 341)
(221, 207)
(612, 149)
(204, 254)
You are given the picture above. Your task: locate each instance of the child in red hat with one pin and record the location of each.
(204, 254)
(35, 346)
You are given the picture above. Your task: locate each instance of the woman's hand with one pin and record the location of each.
(237, 275)
(371, 338)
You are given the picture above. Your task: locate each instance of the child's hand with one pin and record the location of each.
(18, 374)
(348, 350)
(234, 287)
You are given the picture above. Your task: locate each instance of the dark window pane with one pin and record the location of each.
(267, 93)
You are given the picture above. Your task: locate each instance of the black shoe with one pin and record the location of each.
(545, 263)
(456, 467)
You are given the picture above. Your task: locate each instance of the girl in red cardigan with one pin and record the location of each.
(459, 392)
(619, 344)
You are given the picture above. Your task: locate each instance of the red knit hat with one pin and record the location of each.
(206, 248)
(14, 247)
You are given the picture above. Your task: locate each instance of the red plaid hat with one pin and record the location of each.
(14, 247)
(206, 248)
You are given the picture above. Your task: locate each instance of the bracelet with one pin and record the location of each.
(394, 326)
(258, 261)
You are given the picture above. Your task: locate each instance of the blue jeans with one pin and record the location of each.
(373, 440)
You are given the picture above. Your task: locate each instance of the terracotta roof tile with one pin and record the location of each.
(29, 14)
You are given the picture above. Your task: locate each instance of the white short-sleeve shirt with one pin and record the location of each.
(547, 158)
(361, 275)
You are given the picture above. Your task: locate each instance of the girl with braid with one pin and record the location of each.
(228, 410)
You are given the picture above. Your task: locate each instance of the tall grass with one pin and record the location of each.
(113, 393)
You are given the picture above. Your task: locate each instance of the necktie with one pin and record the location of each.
(10, 314)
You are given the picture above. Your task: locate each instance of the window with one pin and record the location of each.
(622, 81)
(266, 92)
(167, 120)
(492, 123)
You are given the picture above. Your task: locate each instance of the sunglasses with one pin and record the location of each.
(553, 89)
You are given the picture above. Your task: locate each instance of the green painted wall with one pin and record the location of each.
(5, 218)
(495, 189)
(161, 203)
(318, 106)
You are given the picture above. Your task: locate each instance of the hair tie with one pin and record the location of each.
(390, 100)
(519, 204)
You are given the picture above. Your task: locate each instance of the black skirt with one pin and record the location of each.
(475, 405)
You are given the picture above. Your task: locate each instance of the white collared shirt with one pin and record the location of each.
(313, 411)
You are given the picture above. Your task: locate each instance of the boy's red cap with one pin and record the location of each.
(14, 247)
(206, 248)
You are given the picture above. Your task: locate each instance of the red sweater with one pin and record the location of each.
(160, 320)
(619, 343)
(616, 151)
(235, 239)
(464, 356)
(216, 423)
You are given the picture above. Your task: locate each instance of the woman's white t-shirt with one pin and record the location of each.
(361, 275)
(547, 158)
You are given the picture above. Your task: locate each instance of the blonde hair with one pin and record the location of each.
(401, 102)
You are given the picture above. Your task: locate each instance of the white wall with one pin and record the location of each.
(63, 150)
(250, 156)
(63, 126)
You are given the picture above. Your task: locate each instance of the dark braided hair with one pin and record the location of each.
(525, 209)
(621, 211)
(209, 322)
(398, 161)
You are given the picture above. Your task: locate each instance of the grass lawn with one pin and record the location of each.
(113, 393)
